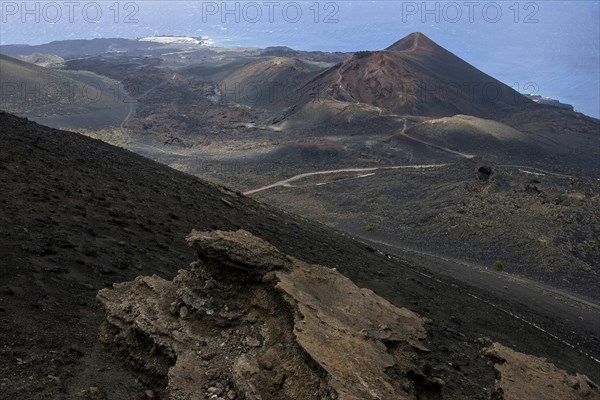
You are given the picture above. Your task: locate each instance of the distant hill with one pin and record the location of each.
(576, 152)
(470, 134)
(75, 48)
(41, 93)
(280, 51)
(414, 76)
(266, 81)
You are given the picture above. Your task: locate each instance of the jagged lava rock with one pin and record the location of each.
(523, 377)
(269, 327)
(223, 253)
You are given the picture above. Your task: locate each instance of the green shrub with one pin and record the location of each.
(370, 227)
(498, 266)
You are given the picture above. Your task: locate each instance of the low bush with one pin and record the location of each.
(498, 266)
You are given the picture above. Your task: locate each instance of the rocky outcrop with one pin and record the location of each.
(523, 377)
(249, 322)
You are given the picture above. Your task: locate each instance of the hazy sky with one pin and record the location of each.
(549, 46)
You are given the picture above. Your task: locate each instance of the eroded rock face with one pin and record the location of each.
(351, 332)
(249, 322)
(523, 377)
(236, 256)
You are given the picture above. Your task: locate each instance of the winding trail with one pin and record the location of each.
(435, 146)
(129, 114)
(135, 101)
(342, 87)
(539, 171)
(416, 42)
(287, 182)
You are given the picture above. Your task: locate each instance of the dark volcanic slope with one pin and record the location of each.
(556, 140)
(265, 82)
(27, 87)
(414, 76)
(77, 215)
(60, 98)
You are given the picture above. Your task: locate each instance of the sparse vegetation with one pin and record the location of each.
(364, 203)
(498, 266)
(370, 227)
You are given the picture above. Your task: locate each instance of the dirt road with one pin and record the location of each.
(287, 182)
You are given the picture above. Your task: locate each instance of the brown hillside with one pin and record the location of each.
(414, 76)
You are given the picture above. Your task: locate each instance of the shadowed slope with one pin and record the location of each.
(79, 99)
